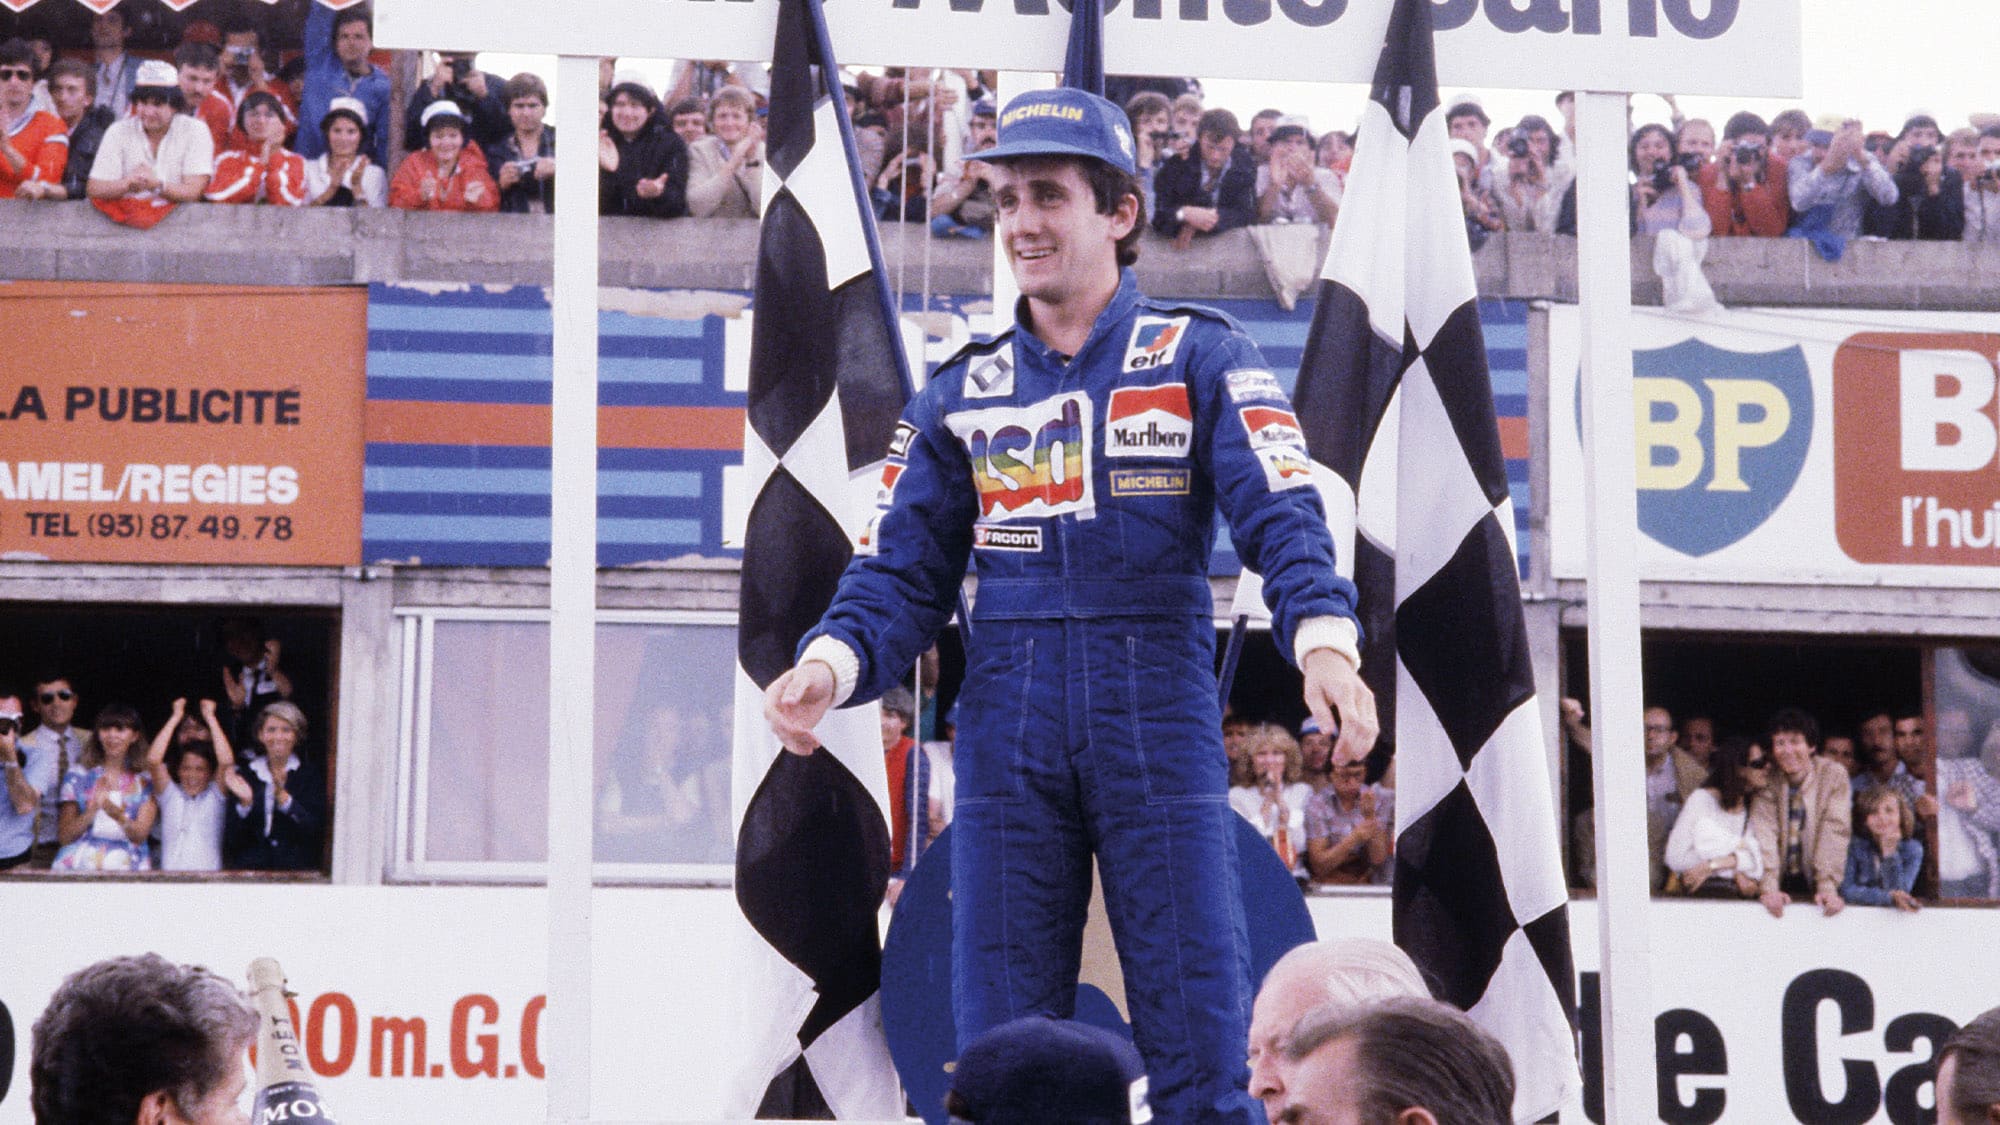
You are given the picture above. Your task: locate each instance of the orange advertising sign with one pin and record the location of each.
(1915, 438)
(182, 424)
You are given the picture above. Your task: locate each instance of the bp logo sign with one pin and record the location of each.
(1721, 435)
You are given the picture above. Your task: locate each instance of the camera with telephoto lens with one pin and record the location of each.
(1519, 146)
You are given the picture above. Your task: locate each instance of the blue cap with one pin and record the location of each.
(1310, 726)
(1036, 1070)
(1065, 122)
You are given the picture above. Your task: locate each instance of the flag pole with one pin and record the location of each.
(1604, 287)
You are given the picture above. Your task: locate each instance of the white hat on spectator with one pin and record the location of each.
(443, 107)
(1461, 147)
(157, 75)
(354, 106)
(1464, 99)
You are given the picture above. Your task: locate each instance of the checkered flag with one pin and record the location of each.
(828, 380)
(1398, 412)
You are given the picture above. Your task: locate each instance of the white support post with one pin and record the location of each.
(1604, 285)
(572, 594)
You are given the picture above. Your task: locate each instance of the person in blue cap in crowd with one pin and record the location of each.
(1077, 459)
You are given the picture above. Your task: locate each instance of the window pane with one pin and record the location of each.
(488, 773)
(1966, 683)
(662, 760)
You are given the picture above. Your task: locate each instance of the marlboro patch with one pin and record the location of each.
(1149, 422)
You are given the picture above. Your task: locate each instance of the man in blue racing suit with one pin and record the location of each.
(1078, 459)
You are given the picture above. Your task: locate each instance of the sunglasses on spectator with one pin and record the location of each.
(52, 696)
(20, 72)
(10, 724)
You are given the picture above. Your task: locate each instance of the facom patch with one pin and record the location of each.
(1285, 467)
(1149, 422)
(1031, 460)
(899, 442)
(1155, 342)
(1253, 384)
(996, 537)
(991, 376)
(1270, 426)
(1151, 482)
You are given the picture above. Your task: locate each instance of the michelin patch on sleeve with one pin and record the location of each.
(1155, 342)
(1253, 384)
(1149, 422)
(1270, 426)
(1285, 467)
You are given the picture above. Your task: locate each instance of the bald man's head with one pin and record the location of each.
(1346, 971)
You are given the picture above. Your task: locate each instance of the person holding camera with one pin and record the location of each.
(1531, 197)
(524, 162)
(246, 71)
(1151, 116)
(1930, 198)
(1743, 191)
(1663, 188)
(1836, 174)
(1976, 158)
(481, 100)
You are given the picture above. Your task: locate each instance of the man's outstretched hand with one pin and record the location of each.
(796, 701)
(1334, 686)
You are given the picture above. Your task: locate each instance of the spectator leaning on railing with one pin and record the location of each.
(1803, 818)
(1978, 159)
(70, 89)
(1664, 196)
(1290, 187)
(726, 168)
(343, 175)
(448, 175)
(643, 166)
(155, 159)
(1744, 191)
(1210, 189)
(1836, 175)
(267, 171)
(33, 144)
(524, 164)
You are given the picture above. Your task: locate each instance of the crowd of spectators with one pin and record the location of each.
(227, 784)
(1331, 822)
(319, 136)
(1872, 814)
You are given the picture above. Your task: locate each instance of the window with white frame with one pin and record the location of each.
(473, 793)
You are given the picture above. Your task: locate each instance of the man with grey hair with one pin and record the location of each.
(1342, 972)
(141, 1041)
(1401, 1061)
(1968, 1073)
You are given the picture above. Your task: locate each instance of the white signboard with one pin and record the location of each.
(422, 1004)
(1745, 48)
(1798, 446)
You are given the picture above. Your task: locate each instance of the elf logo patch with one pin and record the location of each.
(1268, 426)
(1149, 422)
(1155, 340)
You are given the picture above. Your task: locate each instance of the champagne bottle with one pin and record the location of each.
(285, 1091)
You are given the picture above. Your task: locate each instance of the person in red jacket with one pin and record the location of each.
(1744, 190)
(267, 172)
(34, 146)
(448, 175)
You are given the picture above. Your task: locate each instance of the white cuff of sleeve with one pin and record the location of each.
(845, 664)
(1337, 633)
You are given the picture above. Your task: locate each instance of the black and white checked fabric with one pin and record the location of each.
(1397, 408)
(828, 379)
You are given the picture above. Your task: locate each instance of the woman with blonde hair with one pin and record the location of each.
(282, 827)
(1275, 799)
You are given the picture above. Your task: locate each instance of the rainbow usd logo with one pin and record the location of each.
(1722, 437)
